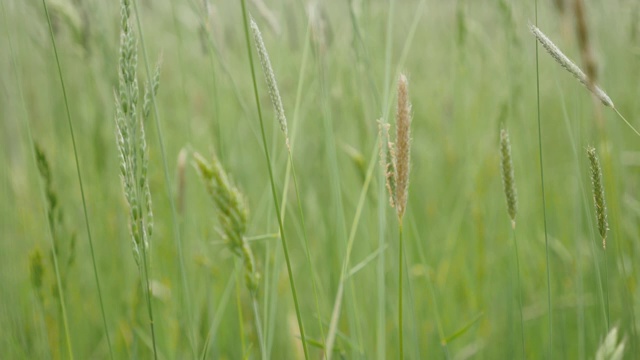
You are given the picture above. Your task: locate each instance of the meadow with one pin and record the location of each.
(214, 234)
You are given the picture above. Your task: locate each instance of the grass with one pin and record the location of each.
(473, 69)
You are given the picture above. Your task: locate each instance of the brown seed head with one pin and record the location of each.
(403, 146)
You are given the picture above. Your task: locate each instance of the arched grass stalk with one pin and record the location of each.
(574, 70)
(511, 194)
(395, 160)
(544, 202)
(272, 181)
(84, 203)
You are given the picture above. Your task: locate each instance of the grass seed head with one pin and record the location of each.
(598, 194)
(508, 178)
(568, 65)
(270, 77)
(403, 145)
(387, 161)
(232, 213)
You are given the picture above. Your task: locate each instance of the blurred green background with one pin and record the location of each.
(472, 70)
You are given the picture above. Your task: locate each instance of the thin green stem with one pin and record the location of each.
(400, 258)
(256, 317)
(272, 182)
(519, 288)
(382, 197)
(335, 314)
(147, 292)
(190, 331)
(165, 168)
(626, 121)
(84, 203)
(606, 286)
(306, 248)
(291, 170)
(432, 290)
(243, 345)
(544, 205)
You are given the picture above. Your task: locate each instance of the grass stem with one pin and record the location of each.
(544, 205)
(400, 262)
(272, 182)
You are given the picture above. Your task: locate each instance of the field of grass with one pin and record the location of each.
(73, 279)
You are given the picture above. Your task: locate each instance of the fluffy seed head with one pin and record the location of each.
(598, 194)
(568, 65)
(274, 93)
(403, 146)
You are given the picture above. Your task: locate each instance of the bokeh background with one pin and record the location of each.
(472, 70)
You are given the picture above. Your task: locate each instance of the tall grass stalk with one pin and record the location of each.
(395, 161)
(400, 262)
(174, 217)
(436, 308)
(601, 216)
(574, 70)
(382, 213)
(233, 215)
(290, 170)
(510, 190)
(133, 153)
(272, 181)
(544, 203)
(84, 203)
(337, 306)
(334, 178)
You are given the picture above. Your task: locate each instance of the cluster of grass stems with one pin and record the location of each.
(232, 208)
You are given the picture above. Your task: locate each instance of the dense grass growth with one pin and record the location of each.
(306, 173)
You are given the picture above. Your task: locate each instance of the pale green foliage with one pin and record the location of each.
(611, 348)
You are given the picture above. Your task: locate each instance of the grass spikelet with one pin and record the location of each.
(568, 65)
(270, 77)
(232, 212)
(598, 194)
(233, 216)
(508, 178)
(387, 161)
(395, 159)
(133, 152)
